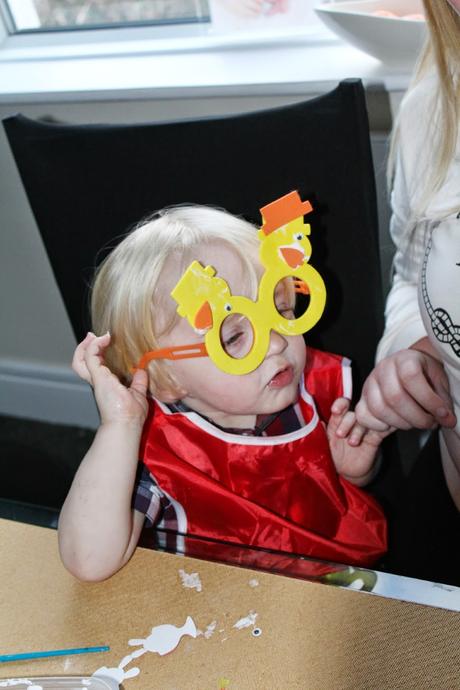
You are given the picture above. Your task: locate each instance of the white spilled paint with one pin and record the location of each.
(247, 621)
(253, 583)
(118, 673)
(190, 580)
(210, 629)
(163, 638)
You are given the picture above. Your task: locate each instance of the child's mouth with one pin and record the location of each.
(282, 378)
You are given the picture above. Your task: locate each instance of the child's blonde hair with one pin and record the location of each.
(442, 50)
(127, 295)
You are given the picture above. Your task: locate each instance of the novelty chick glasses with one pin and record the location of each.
(237, 329)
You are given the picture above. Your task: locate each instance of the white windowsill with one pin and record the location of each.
(32, 70)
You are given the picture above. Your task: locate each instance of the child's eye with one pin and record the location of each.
(236, 336)
(232, 340)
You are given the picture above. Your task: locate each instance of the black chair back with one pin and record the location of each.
(88, 184)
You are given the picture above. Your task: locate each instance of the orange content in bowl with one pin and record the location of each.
(411, 17)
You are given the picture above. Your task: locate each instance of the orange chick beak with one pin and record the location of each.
(203, 317)
(293, 257)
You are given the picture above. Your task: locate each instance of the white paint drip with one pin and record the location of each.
(246, 622)
(163, 638)
(190, 580)
(254, 583)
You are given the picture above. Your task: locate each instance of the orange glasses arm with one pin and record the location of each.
(178, 352)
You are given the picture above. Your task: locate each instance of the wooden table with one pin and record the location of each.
(312, 636)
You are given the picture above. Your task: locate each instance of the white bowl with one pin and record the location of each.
(395, 41)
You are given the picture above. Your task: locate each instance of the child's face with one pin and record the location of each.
(232, 400)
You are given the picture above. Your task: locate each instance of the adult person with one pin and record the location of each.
(416, 382)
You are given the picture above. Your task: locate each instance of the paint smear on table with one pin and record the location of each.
(210, 629)
(118, 673)
(253, 583)
(190, 580)
(163, 638)
(247, 621)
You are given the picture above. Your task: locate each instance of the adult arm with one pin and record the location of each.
(408, 387)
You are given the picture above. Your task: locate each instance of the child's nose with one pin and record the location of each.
(278, 343)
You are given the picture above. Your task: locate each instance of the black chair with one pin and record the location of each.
(87, 184)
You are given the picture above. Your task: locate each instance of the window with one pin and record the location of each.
(219, 16)
(46, 15)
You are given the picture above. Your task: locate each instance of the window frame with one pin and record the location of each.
(149, 63)
(143, 38)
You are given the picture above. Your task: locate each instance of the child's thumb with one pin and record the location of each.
(140, 381)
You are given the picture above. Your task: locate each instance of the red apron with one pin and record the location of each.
(277, 492)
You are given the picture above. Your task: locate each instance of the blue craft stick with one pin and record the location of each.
(51, 652)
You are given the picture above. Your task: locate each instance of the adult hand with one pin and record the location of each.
(408, 389)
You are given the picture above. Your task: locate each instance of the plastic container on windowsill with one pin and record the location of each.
(395, 40)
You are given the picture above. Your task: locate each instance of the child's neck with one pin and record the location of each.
(258, 428)
(223, 419)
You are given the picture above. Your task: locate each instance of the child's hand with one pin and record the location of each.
(353, 447)
(115, 401)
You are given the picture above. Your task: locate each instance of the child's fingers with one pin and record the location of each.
(357, 434)
(346, 424)
(139, 382)
(78, 360)
(93, 354)
(340, 406)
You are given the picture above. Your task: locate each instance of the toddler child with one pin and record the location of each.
(271, 458)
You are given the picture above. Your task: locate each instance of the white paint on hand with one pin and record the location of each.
(247, 621)
(163, 638)
(190, 580)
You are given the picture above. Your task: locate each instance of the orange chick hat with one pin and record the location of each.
(282, 211)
